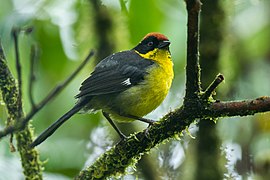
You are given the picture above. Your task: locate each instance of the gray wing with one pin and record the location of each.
(116, 73)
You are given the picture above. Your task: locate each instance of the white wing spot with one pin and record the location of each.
(126, 82)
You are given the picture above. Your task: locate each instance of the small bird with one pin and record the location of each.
(126, 85)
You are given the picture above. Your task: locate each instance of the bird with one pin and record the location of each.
(125, 86)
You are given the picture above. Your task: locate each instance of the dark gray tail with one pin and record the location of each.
(50, 130)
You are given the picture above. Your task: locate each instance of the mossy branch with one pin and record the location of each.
(51, 95)
(10, 93)
(17, 122)
(126, 153)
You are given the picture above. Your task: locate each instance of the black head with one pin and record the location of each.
(152, 41)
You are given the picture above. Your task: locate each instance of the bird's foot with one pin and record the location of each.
(146, 131)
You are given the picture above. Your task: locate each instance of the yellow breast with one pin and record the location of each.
(149, 94)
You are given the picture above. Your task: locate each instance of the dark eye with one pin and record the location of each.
(150, 43)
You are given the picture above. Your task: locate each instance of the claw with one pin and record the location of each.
(123, 137)
(146, 132)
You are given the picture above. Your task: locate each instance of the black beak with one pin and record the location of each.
(164, 44)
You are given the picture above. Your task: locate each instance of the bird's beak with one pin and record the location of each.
(164, 44)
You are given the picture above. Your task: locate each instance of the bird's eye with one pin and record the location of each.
(150, 44)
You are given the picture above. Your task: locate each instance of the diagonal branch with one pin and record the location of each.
(211, 88)
(48, 98)
(127, 152)
(57, 89)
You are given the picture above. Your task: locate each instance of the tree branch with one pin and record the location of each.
(239, 108)
(127, 152)
(16, 121)
(22, 124)
(211, 88)
(53, 93)
(10, 93)
(32, 77)
(193, 84)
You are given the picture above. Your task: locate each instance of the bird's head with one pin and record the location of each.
(151, 42)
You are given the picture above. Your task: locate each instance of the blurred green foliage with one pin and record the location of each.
(64, 33)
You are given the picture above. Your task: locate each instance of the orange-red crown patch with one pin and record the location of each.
(159, 36)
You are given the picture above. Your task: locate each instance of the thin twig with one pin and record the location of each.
(57, 89)
(48, 98)
(211, 88)
(32, 77)
(8, 130)
(11, 145)
(15, 32)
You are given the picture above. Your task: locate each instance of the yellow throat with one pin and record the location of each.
(148, 95)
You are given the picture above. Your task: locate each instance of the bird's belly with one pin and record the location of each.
(146, 96)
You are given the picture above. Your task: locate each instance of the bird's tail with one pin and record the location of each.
(50, 130)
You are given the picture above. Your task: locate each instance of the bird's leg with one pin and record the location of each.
(107, 116)
(149, 121)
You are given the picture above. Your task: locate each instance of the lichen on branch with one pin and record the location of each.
(9, 89)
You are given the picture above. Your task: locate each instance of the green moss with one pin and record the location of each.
(29, 157)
